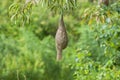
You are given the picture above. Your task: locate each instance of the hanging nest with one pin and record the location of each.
(61, 38)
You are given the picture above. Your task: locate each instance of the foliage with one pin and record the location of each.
(57, 5)
(20, 60)
(104, 64)
(22, 10)
(28, 52)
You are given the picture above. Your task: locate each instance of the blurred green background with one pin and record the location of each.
(93, 53)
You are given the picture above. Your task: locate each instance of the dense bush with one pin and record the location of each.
(93, 53)
(99, 59)
(20, 60)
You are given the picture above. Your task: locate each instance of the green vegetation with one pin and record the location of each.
(27, 45)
